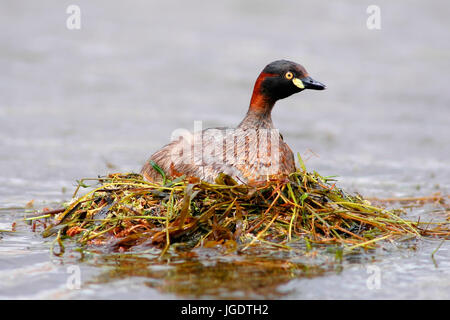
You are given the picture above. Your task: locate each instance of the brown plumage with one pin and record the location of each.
(251, 152)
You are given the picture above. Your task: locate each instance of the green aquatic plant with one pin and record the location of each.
(124, 210)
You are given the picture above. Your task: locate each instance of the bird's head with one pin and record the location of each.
(279, 80)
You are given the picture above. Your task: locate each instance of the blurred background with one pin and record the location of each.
(79, 103)
(101, 99)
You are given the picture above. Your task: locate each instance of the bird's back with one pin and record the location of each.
(248, 155)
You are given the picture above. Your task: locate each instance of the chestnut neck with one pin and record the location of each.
(260, 109)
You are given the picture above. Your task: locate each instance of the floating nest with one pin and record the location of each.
(123, 210)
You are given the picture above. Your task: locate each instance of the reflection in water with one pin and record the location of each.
(208, 273)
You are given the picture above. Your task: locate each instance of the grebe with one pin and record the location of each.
(253, 151)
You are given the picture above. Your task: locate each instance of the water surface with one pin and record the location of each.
(101, 99)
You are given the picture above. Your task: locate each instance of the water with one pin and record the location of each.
(101, 99)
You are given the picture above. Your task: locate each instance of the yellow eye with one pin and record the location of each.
(289, 75)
